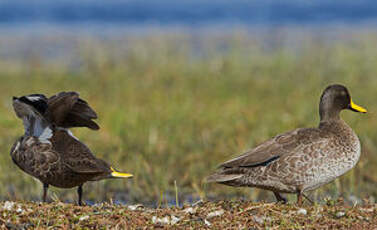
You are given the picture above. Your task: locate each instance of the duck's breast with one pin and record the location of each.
(342, 156)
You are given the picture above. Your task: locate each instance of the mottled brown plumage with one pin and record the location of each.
(300, 160)
(49, 151)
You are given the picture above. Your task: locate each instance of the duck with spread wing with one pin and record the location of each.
(48, 150)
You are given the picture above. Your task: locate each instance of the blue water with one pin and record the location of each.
(187, 12)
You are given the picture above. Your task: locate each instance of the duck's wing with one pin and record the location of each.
(87, 164)
(67, 110)
(270, 151)
(80, 159)
(76, 155)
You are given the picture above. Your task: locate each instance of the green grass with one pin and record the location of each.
(170, 112)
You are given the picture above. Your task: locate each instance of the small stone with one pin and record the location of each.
(165, 220)
(19, 209)
(162, 221)
(135, 207)
(215, 213)
(8, 205)
(83, 218)
(190, 210)
(174, 220)
(206, 222)
(302, 211)
(340, 214)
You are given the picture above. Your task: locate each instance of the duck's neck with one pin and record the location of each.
(328, 116)
(328, 111)
(331, 122)
(336, 126)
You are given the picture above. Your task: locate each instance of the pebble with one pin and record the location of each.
(206, 222)
(83, 218)
(189, 210)
(174, 220)
(165, 220)
(215, 213)
(19, 209)
(8, 205)
(302, 211)
(340, 214)
(135, 207)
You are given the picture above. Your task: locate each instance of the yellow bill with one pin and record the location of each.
(120, 174)
(357, 108)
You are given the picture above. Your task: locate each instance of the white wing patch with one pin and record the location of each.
(45, 136)
(17, 146)
(34, 98)
(71, 134)
(68, 131)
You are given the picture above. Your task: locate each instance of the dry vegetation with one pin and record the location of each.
(202, 215)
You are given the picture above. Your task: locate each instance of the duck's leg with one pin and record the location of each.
(79, 192)
(45, 188)
(299, 198)
(280, 198)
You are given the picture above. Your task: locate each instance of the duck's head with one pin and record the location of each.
(334, 99)
(29, 105)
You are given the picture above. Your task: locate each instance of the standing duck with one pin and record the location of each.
(49, 151)
(303, 159)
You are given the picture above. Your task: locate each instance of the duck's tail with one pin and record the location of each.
(221, 178)
(116, 174)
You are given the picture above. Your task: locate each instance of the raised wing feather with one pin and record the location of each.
(60, 105)
(67, 110)
(31, 110)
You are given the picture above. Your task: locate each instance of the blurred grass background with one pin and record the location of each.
(172, 106)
